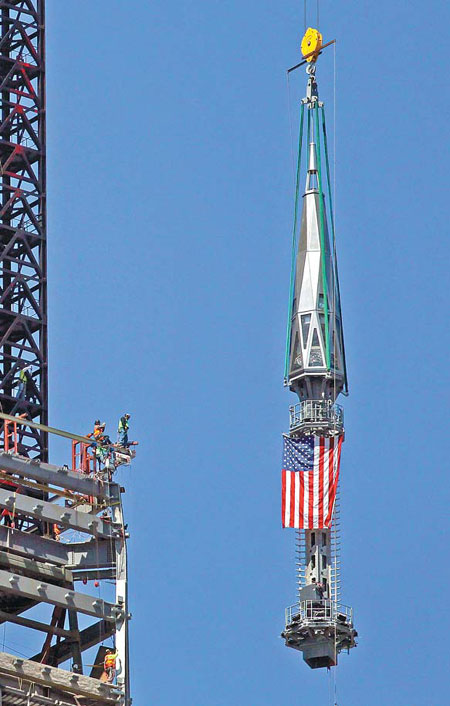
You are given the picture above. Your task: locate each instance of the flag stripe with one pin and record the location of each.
(308, 496)
(310, 499)
(297, 494)
(301, 503)
(320, 479)
(292, 502)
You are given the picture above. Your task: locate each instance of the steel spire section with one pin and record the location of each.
(23, 231)
(318, 624)
(316, 368)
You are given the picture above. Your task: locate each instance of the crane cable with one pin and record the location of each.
(294, 244)
(317, 13)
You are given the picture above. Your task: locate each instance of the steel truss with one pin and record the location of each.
(23, 228)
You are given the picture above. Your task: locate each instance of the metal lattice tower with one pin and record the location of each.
(23, 229)
(63, 553)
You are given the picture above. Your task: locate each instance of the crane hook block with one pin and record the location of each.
(311, 44)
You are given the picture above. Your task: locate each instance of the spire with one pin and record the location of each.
(316, 367)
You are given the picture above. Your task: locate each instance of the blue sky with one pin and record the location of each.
(170, 206)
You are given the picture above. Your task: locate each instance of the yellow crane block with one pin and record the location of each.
(311, 44)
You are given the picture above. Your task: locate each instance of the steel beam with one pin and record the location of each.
(35, 569)
(58, 679)
(57, 514)
(19, 697)
(94, 554)
(32, 545)
(35, 625)
(89, 637)
(55, 595)
(99, 574)
(59, 476)
(99, 554)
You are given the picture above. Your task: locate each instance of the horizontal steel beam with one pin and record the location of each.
(93, 574)
(95, 554)
(44, 427)
(26, 697)
(36, 625)
(55, 595)
(89, 637)
(58, 679)
(34, 568)
(57, 514)
(58, 476)
(32, 545)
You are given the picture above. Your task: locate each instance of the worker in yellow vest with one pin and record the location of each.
(21, 383)
(110, 665)
(122, 431)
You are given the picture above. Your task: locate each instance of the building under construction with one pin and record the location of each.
(63, 560)
(318, 624)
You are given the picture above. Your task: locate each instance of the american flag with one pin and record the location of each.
(310, 477)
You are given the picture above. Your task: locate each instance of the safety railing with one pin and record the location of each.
(83, 458)
(318, 611)
(10, 437)
(317, 414)
(92, 457)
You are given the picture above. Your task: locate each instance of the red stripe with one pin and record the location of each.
(332, 483)
(301, 500)
(331, 492)
(283, 497)
(291, 518)
(321, 471)
(338, 466)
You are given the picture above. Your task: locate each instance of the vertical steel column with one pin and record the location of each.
(123, 676)
(23, 226)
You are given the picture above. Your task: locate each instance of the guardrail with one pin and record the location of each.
(316, 413)
(319, 611)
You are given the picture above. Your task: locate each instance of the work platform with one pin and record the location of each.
(320, 417)
(63, 551)
(321, 630)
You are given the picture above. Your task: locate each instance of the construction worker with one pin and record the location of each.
(9, 515)
(99, 428)
(122, 431)
(99, 438)
(8, 518)
(110, 665)
(22, 380)
(102, 450)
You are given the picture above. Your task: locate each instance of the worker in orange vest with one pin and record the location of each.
(110, 665)
(99, 428)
